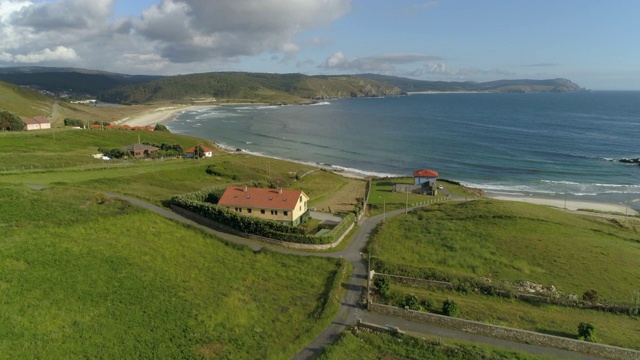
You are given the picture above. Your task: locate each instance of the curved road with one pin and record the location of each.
(350, 310)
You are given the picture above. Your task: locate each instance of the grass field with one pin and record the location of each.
(382, 198)
(81, 278)
(618, 330)
(511, 241)
(369, 346)
(331, 192)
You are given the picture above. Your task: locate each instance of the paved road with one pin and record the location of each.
(350, 310)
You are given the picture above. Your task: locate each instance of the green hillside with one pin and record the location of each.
(247, 87)
(522, 85)
(24, 102)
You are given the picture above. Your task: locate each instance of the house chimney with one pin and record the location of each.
(245, 188)
(279, 190)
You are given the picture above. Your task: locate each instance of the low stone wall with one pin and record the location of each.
(417, 281)
(217, 226)
(505, 333)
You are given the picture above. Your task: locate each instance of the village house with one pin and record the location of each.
(191, 152)
(424, 182)
(282, 205)
(140, 150)
(36, 123)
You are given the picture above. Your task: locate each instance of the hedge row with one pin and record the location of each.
(202, 203)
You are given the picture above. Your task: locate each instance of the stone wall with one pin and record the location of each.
(217, 226)
(505, 333)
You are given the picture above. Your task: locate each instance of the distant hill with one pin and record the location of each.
(523, 85)
(243, 86)
(71, 81)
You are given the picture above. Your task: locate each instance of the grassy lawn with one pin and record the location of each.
(619, 330)
(331, 192)
(110, 280)
(511, 241)
(372, 346)
(383, 198)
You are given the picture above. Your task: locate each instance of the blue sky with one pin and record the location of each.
(592, 43)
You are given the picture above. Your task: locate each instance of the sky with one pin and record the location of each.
(594, 43)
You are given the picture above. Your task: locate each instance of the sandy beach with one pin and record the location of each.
(159, 115)
(571, 205)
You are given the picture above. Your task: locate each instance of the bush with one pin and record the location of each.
(73, 122)
(412, 302)
(160, 127)
(587, 332)
(590, 296)
(10, 122)
(450, 308)
(383, 284)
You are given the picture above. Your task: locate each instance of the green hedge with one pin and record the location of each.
(203, 203)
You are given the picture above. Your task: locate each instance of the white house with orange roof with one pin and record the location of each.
(283, 205)
(191, 152)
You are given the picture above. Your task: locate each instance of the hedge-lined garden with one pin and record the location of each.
(204, 202)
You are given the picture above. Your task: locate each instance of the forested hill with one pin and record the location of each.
(243, 87)
(524, 85)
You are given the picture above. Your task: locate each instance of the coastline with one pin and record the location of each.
(159, 115)
(167, 114)
(571, 205)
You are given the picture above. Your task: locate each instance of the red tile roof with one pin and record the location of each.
(261, 198)
(425, 173)
(193, 149)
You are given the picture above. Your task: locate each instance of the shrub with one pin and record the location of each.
(590, 296)
(160, 127)
(73, 122)
(383, 284)
(587, 332)
(10, 122)
(412, 302)
(450, 308)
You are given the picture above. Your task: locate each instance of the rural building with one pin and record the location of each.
(36, 123)
(140, 150)
(191, 152)
(424, 182)
(282, 205)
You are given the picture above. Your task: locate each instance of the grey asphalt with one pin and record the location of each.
(350, 311)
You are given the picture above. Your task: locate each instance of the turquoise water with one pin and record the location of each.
(545, 144)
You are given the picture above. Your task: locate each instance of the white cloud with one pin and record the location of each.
(60, 53)
(385, 63)
(164, 37)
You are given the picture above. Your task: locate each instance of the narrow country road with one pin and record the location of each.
(350, 310)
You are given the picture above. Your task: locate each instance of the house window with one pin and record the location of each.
(240, 209)
(286, 213)
(300, 198)
(274, 212)
(249, 211)
(262, 211)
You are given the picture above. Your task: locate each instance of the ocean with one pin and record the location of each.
(543, 144)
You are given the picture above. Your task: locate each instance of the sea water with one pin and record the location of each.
(542, 144)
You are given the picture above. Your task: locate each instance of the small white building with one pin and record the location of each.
(191, 152)
(36, 123)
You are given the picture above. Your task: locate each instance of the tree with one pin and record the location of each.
(383, 284)
(10, 122)
(450, 308)
(587, 332)
(198, 152)
(73, 122)
(160, 127)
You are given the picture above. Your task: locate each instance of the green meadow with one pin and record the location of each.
(372, 346)
(85, 278)
(511, 241)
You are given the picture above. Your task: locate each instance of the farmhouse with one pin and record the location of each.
(283, 205)
(36, 123)
(191, 152)
(424, 182)
(140, 150)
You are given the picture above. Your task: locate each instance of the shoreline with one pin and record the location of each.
(167, 114)
(570, 204)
